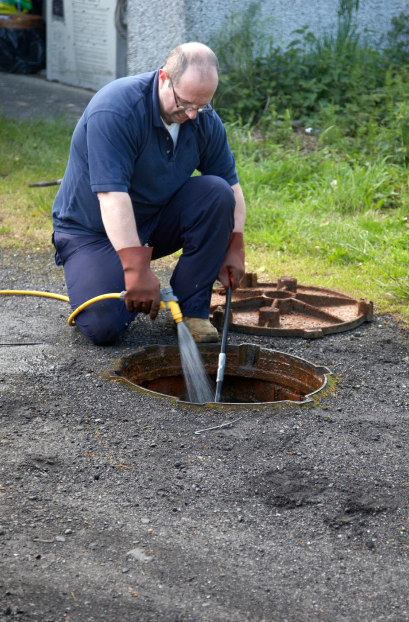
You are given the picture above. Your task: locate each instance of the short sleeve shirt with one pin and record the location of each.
(120, 144)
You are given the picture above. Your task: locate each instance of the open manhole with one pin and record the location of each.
(253, 375)
(287, 309)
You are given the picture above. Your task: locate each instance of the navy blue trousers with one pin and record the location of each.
(198, 219)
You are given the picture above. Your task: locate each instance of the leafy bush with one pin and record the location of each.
(337, 79)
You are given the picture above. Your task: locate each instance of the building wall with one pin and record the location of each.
(156, 27)
(83, 48)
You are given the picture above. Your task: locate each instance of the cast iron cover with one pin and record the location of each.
(287, 309)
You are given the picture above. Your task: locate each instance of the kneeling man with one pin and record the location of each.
(128, 196)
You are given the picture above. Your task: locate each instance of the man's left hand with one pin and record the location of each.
(233, 268)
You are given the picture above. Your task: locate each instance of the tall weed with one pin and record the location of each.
(339, 79)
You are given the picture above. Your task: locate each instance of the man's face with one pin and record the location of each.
(192, 90)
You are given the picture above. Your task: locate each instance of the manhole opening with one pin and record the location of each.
(253, 375)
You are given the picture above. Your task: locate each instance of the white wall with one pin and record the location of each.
(155, 27)
(83, 48)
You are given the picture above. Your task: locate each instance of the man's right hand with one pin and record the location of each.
(233, 267)
(142, 286)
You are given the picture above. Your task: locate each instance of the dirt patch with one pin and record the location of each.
(294, 488)
(290, 488)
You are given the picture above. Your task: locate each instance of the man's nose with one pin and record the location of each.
(192, 114)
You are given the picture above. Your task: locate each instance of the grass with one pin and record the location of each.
(29, 152)
(327, 213)
(318, 208)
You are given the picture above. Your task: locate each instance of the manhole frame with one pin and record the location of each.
(114, 374)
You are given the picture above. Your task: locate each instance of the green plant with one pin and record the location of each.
(338, 79)
(397, 40)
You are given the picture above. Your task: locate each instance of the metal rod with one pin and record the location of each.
(33, 343)
(43, 184)
(217, 427)
(222, 355)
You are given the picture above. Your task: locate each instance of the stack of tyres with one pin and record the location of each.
(22, 43)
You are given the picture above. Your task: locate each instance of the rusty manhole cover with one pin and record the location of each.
(287, 309)
(253, 375)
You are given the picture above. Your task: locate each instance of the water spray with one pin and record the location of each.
(197, 381)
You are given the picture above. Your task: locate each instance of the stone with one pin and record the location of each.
(125, 570)
(139, 555)
(59, 538)
(145, 521)
(68, 531)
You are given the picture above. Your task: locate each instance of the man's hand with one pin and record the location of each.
(233, 268)
(142, 286)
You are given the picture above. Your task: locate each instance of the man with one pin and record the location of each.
(128, 196)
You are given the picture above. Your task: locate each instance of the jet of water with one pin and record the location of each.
(198, 384)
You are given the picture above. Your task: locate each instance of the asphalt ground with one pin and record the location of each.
(292, 514)
(30, 97)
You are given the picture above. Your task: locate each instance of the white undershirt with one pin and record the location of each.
(173, 130)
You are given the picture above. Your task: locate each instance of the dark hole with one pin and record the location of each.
(253, 374)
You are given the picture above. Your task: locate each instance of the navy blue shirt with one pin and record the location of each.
(121, 145)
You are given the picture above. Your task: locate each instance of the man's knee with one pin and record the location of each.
(217, 196)
(104, 325)
(217, 186)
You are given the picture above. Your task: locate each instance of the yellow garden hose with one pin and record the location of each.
(91, 301)
(168, 301)
(29, 292)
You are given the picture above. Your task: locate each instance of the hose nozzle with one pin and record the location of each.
(170, 301)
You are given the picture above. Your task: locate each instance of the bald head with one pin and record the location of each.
(195, 56)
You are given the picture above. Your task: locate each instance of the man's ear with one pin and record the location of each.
(163, 76)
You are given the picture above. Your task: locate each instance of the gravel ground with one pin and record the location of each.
(112, 509)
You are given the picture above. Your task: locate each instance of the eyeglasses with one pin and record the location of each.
(208, 108)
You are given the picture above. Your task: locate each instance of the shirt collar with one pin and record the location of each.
(157, 121)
